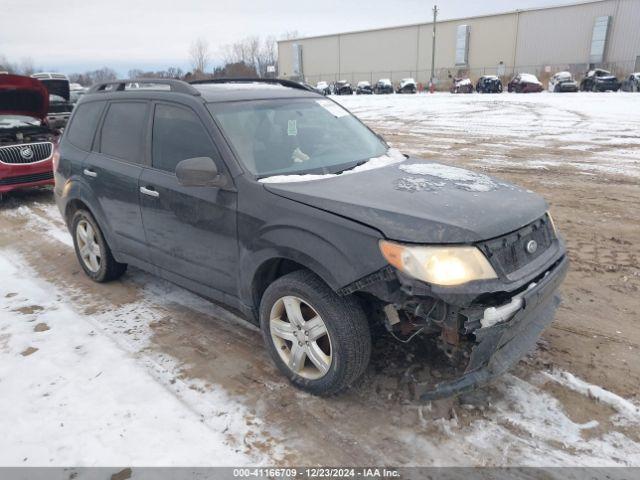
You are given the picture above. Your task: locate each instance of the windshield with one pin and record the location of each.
(281, 137)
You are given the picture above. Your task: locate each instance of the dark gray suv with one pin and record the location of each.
(276, 201)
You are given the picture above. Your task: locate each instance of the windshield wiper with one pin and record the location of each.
(361, 162)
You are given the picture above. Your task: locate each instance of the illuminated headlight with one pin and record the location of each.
(438, 265)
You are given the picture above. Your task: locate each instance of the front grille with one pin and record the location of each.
(509, 252)
(26, 153)
(34, 177)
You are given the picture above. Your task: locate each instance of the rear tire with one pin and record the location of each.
(91, 248)
(340, 341)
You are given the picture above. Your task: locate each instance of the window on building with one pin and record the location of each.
(462, 45)
(599, 39)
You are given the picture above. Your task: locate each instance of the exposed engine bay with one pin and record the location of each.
(18, 130)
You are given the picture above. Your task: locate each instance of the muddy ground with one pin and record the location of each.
(595, 336)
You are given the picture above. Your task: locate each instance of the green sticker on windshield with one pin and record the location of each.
(292, 128)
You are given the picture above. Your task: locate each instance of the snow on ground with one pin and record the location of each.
(599, 132)
(76, 390)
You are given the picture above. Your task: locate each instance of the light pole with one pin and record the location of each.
(433, 50)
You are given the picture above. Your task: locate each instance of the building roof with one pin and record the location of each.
(455, 19)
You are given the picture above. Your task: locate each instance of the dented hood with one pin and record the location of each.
(421, 202)
(23, 96)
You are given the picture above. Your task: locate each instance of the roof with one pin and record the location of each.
(215, 90)
(225, 92)
(49, 75)
(455, 19)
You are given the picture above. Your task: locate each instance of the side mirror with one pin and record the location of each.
(199, 172)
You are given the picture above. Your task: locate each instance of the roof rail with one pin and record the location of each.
(174, 84)
(278, 81)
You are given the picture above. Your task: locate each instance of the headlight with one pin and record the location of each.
(553, 224)
(438, 265)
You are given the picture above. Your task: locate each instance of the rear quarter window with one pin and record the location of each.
(83, 126)
(123, 131)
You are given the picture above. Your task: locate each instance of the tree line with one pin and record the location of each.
(251, 57)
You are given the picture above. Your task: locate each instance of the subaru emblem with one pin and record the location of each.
(532, 246)
(26, 153)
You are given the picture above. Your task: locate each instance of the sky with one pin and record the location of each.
(79, 35)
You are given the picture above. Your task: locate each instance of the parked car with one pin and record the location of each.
(342, 87)
(26, 139)
(599, 80)
(75, 95)
(323, 88)
(562, 82)
(524, 83)
(383, 86)
(60, 105)
(209, 186)
(489, 84)
(364, 88)
(461, 85)
(407, 85)
(632, 84)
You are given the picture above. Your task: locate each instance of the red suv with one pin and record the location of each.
(26, 140)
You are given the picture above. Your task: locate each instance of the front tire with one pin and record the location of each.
(320, 341)
(93, 253)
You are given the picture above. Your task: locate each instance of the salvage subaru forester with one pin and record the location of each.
(276, 201)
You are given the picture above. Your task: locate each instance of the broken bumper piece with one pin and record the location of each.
(500, 346)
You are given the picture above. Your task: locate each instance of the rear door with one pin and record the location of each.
(113, 172)
(191, 231)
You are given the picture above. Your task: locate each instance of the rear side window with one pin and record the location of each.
(123, 131)
(83, 127)
(178, 134)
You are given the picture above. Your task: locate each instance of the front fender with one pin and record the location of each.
(301, 246)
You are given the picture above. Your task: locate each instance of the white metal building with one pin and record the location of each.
(542, 41)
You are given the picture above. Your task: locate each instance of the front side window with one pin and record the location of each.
(123, 131)
(178, 134)
(295, 136)
(83, 127)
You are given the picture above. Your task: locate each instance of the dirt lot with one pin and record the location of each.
(531, 416)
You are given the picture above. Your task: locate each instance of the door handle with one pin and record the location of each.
(90, 173)
(149, 191)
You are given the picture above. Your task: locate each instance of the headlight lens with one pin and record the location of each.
(553, 224)
(438, 265)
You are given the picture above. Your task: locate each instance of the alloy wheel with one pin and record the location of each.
(300, 337)
(88, 246)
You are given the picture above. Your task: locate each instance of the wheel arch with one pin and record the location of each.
(78, 196)
(276, 266)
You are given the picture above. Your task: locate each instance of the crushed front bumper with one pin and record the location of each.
(498, 347)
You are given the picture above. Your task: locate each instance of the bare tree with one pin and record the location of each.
(254, 52)
(6, 65)
(199, 55)
(26, 66)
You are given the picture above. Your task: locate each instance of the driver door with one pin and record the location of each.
(191, 231)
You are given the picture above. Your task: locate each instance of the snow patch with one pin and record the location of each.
(391, 157)
(46, 224)
(461, 178)
(621, 405)
(81, 394)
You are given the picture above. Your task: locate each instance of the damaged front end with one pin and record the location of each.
(486, 325)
